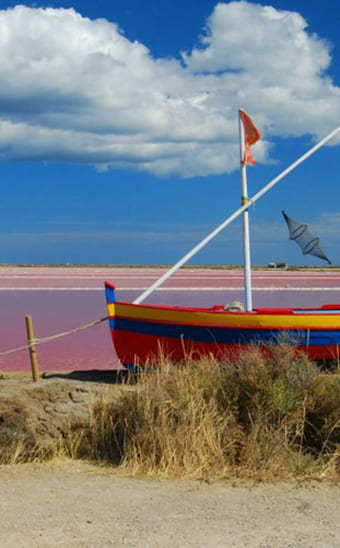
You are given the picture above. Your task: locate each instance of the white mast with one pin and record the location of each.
(245, 218)
(234, 216)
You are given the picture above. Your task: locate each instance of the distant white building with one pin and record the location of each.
(283, 266)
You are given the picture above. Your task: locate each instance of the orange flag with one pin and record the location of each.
(251, 136)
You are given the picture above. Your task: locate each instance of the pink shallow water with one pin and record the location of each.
(64, 298)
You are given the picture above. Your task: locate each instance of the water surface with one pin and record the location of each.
(56, 307)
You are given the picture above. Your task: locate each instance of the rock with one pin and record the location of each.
(34, 415)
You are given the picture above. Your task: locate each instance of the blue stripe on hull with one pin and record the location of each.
(227, 335)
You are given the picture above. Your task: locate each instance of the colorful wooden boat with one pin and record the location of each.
(141, 333)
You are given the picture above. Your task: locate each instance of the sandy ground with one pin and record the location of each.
(75, 504)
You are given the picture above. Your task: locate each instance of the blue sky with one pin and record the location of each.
(118, 128)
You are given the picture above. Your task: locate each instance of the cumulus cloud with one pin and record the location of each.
(78, 90)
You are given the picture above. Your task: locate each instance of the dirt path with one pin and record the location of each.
(73, 504)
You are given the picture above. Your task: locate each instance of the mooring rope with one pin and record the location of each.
(14, 349)
(43, 340)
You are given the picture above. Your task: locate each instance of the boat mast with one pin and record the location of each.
(234, 216)
(245, 219)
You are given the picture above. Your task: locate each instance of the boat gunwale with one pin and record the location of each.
(325, 309)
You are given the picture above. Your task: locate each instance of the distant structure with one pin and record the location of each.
(283, 266)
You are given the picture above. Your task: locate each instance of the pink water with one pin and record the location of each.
(59, 299)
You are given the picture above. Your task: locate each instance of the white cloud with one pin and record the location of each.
(266, 58)
(78, 90)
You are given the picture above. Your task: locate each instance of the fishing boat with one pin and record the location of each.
(142, 333)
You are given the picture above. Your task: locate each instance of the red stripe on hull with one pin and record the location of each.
(136, 348)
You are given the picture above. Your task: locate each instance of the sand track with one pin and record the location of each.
(75, 504)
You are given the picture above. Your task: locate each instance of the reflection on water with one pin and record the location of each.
(56, 311)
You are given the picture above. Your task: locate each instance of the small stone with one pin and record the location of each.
(62, 408)
(76, 396)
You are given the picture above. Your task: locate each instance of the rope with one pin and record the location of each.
(43, 340)
(71, 331)
(15, 349)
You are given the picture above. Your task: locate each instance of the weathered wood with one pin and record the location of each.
(32, 348)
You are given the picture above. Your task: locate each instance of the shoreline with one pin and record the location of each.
(288, 268)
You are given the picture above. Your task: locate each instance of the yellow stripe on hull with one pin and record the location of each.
(223, 318)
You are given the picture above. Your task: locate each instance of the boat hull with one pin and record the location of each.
(141, 333)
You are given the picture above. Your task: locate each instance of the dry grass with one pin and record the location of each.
(257, 418)
(260, 418)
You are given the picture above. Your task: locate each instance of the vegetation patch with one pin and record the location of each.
(263, 418)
